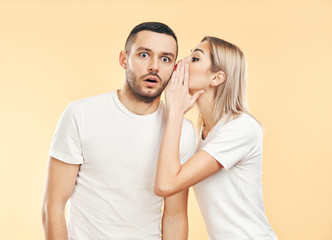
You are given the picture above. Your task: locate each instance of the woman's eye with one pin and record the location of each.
(165, 59)
(144, 55)
(194, 59)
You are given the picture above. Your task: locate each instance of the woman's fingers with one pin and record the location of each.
(171, 82)
(181, 74)
(186, 75)
(196, 96)
(177, 96)
(177, 73)
(193, 99)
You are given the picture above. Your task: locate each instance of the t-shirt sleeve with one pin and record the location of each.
(231, 143)
(187, 141)
(66, 143)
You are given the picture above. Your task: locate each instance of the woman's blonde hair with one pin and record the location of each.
(230, 96)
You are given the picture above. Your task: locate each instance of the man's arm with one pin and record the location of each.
(61, 179)
(175, 218)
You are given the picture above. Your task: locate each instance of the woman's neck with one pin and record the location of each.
(205, 106)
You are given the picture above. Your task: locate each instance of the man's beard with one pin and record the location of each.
(137, 92)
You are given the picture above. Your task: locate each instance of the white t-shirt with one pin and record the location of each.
(231, 200)
(118, 151)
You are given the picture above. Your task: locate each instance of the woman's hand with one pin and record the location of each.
(178, 99)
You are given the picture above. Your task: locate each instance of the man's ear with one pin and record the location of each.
(123, 59)
(218, 78)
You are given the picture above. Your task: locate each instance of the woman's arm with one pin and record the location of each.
(175, 217)
(171, 177)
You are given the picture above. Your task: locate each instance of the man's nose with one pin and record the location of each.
(153, 65)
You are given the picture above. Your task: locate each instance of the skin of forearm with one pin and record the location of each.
(175, 228)
(54, 224)
(169, 162)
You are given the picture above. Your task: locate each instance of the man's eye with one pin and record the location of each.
(165, 59)
(144, 54)
(194, 59)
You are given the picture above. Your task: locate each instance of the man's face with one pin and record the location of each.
(150, 64)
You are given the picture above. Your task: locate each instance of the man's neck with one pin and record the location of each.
(136, 106)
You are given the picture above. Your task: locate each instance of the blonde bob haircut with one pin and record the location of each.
(230, 96)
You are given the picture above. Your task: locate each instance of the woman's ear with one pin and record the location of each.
(218, 78)
(123, 59)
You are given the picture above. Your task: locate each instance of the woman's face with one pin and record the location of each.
(199, 67)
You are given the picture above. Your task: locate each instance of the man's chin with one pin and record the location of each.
(151, 92)
(149, 97)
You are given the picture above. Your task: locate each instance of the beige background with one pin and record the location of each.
(54, 52)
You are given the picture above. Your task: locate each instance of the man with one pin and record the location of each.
(105, 149)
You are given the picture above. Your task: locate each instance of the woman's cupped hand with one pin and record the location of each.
(178, 99)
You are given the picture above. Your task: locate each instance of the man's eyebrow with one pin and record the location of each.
(197, 50)
(143, 49)
(168, 54)
(149, 50)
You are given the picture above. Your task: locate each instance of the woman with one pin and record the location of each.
(226, 169)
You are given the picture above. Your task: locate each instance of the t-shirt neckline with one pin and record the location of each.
(115, 97)
(221, 123)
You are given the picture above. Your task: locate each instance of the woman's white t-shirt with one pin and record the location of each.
(231, 200)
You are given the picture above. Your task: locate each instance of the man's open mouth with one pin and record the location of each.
(151, 80)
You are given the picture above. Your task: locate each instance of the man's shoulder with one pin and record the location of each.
(187, 124)
(93, 102)
(188, 129)
(93, 99)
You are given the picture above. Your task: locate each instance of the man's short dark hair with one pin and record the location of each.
(149, 26)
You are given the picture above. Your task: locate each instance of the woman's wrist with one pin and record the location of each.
(175, 115)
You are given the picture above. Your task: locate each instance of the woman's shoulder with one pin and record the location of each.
(248, 121)
(244, 125)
